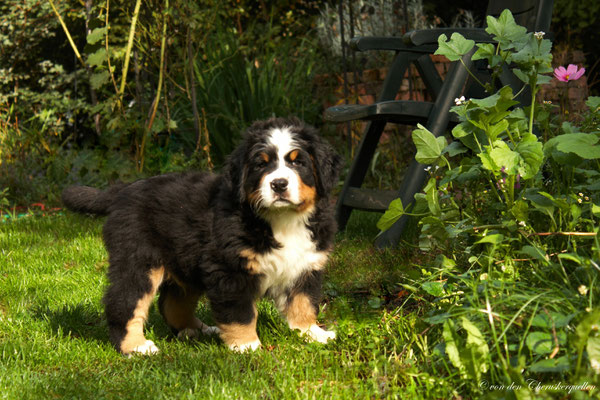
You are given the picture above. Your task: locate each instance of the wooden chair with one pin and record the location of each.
(415, 47)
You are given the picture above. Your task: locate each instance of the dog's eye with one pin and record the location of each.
(260, 164)
(297, 162)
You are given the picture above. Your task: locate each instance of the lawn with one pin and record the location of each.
(54, 342)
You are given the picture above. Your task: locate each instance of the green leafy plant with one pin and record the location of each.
(511, 210)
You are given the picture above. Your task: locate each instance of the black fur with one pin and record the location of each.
(196, 225)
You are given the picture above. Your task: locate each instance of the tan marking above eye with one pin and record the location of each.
(293, 155)
(264, 157)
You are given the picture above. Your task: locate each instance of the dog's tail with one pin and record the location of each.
(86, 199)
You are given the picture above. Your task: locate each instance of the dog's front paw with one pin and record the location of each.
(210, 330)
(244, 347)
(192, 333)
(317, 334)
(148, 348)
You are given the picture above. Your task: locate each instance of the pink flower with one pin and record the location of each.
(572, 73)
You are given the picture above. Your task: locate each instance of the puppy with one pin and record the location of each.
(263, 227)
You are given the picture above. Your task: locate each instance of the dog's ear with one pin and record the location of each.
(328, 164)
(235, 170)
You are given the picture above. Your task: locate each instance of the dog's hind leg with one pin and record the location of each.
(177, 306)
(127, 302)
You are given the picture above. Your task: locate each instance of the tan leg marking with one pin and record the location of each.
(301, 315)
(240, 337)
(179, 314)
(134, 340)
(300, 312)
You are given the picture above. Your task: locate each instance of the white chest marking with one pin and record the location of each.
(298, 254)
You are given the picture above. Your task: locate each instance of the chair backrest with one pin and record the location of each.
(535, 15)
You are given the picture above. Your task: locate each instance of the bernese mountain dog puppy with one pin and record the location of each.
(262, 227)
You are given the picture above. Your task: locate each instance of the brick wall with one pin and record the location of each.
(573, 93)
(364, 87)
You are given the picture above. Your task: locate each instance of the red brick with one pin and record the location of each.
(367, 99)
(370, 75)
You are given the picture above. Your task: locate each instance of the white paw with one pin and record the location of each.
(241, 348)
(318, 334)
(210, 330)
(147, 348)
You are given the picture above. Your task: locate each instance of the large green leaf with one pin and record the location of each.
(431, 194)
(477, 350)
(544, 342)
(96, 35)
(487, 102)
(495, 238)
(505, 158)
(452, 345)
(454, 48)
(505, 30)
(97, 58)
(429, 147)
(536, 253)
(433, 288)
(551, 319)
(560, 364)
(583, 331)
(455, 148)
(469, 358)
(488, 162)
(393, 213)
(593, 102)
(593, 351)
(484, 51)
(532, 156)
(495, 130)
(463, 129)
(581, 144)
(99, 79)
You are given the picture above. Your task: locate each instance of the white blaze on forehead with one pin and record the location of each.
(282, 140)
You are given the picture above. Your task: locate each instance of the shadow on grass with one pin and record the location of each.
(84, 322)
(75, 321)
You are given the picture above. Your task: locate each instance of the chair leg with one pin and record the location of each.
(358, 169)
(438, 121)
(414, 180)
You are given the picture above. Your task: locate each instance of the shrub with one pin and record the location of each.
(175, 94)
(513, 218)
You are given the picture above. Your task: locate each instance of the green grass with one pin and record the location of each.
(392, 339)
(54, 341)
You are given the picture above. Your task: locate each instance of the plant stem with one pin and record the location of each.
(134, 19)
(69, 38)
(158, 89)
(472, 75)
(532, 110)
(110, 70)
(510, 181)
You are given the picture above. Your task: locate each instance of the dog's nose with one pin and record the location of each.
(279, 185)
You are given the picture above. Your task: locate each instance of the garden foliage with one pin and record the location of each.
(98, 91)
(511, 210)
